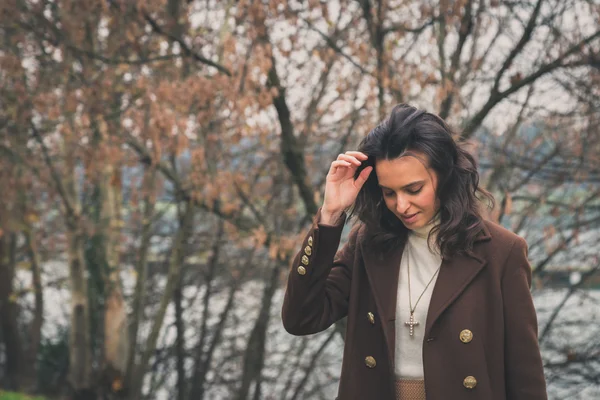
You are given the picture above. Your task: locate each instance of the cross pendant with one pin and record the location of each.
(411, 323)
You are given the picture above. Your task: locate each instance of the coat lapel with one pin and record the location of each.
(455, 275)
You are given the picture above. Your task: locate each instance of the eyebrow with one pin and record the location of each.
(405, 186)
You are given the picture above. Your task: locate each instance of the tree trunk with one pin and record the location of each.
(141, 268)
(204, 358)
(80, 355)
(175, 262)
(38, 312)
(9, 312)
(79, 339)
(180, 340)
(255, 352)
(116, 337)
(199, 373)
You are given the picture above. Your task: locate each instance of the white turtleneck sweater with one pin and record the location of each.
(423, 265)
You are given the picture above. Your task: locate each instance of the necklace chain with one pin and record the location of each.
(412, 309)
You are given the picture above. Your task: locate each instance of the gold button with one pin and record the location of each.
(301, 270)
(371, 318)
(466, 336)
(370, 362)
(310, 240)
(470, 382)
(304, 260)
(308, 250)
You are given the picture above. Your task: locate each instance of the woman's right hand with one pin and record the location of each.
(341, 189)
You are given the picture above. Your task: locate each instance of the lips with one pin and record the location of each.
(409, 216)
(409, 219)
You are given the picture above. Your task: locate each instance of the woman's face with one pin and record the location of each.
(408, 188)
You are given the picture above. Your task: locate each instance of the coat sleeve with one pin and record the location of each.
(523, 363)
(318, 285)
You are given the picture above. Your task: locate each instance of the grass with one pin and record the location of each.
(17, 396)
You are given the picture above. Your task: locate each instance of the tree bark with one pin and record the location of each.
(141, 268)
(180, 340)
(255, 351)
(9, 312)
(38, 312)
(80, 356)
(175, 263)
(116, 337)
(199, 373)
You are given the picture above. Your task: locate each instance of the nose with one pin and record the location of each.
(402, 205)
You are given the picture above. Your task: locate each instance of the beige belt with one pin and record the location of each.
(410, 389)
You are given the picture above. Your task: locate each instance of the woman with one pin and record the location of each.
(437, 298)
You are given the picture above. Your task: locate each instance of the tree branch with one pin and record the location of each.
(466, 27)
(184, 47)
(54, 173)
(496, 97)
(291, 150)
(527, 33)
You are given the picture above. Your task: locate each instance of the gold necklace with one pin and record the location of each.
(411, 323)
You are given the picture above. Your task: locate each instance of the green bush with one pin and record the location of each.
(17, 396)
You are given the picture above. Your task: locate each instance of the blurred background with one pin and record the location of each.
(160, 161)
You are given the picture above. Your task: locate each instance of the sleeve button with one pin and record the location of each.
(371, 318)
(370, 362)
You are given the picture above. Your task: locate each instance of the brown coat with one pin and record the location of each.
(487, 294)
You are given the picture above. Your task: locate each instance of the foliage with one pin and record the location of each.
(17, 396)
(159, 158)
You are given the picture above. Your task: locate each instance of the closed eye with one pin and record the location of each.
(387, 193)
(412, 188)
(414, 191)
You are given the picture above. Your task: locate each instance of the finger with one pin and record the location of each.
(350, 159)
(357, 154)
(362, 177)
(339, 164)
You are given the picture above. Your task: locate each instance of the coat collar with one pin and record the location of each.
(454, 276)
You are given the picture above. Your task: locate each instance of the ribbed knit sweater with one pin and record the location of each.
(423, 265)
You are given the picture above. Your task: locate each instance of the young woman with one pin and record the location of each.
(437, 298)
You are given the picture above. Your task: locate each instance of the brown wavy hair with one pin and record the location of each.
(459, 196)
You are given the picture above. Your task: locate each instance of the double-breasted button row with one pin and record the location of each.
(370, 360)
(305, 260)
(466, 336)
